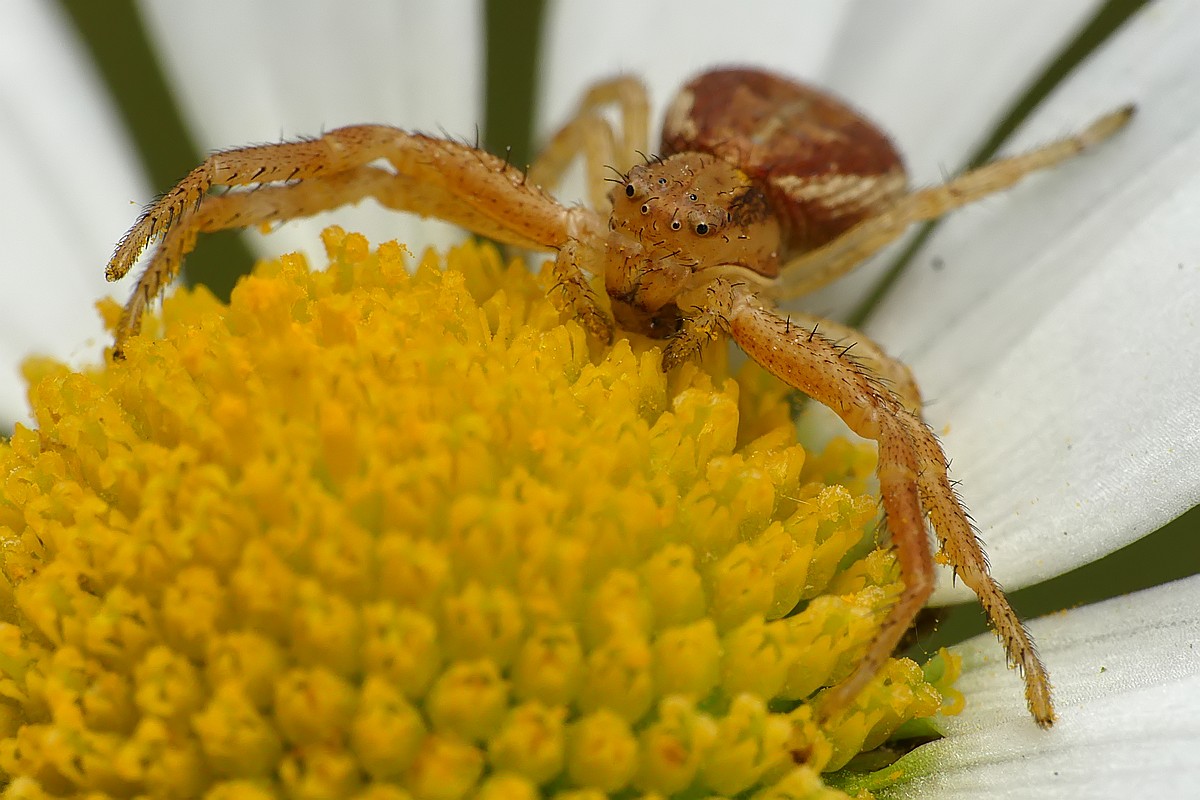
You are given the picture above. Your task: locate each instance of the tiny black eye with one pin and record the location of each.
(629, 190)
(692, 197)
(645, 208)
(676, 224)
(702, 229)
(662, 181)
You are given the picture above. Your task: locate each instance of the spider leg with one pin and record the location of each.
(240, 209)
(890, 372)
(590, 133)
(572, 293)
(912, 472)
(811, 270)
(432, 177)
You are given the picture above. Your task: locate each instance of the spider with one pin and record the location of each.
(766, 189)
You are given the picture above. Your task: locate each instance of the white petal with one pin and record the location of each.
(70, 184)
(1059, 342)
(936, 74)
(280, 69)
(1127, 688)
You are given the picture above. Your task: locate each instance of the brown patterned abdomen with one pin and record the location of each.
(823, 166)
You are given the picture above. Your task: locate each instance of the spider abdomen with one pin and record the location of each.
(823, 166)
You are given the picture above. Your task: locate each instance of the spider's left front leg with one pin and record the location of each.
(913, 481)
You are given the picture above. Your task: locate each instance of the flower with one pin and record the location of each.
(366, 529)
(1072, 323)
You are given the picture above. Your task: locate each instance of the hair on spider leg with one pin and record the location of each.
(474, 146)
(450, 137)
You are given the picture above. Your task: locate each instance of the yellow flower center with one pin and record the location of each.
(365, 533)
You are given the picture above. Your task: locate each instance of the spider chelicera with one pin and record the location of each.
(765, 189)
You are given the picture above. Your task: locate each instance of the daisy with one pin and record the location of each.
(1066, 335)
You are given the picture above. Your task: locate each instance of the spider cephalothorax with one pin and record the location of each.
(672, 221)
(768, 189)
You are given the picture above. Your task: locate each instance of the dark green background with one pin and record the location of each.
(124, 56)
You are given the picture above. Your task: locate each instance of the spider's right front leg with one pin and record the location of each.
(431, 177)
(912, 472)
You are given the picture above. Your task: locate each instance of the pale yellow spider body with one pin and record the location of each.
(773, 190)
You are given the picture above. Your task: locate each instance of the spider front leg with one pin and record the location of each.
(912, 473)
(891, 373)
(431, 177)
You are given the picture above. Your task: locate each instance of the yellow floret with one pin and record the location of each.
(374, 534)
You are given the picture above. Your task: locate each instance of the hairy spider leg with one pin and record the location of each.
(891, 372)
(813, 269)
(434, 177)
(912, 472)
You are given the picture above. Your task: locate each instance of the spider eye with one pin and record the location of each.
(702, 229)
(645, 208)
(629, 190)
(692, 197)
(662, 181)
(676, 224)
